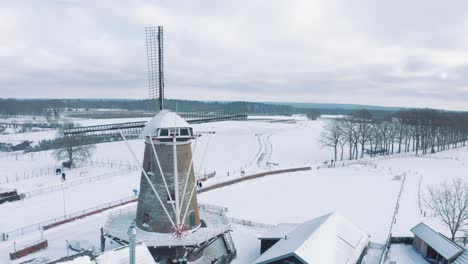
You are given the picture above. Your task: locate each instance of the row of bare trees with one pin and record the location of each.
(421, 131)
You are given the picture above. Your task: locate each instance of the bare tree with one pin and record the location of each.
(74, 148)
(331, 135)
(449, 201)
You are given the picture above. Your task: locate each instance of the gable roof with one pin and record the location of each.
(437, 241)
(327, 239)
(121, 255)
(278, 232)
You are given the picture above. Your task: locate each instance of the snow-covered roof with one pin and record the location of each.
(164, 119)
(327, 239)
(121, 255)
(278, 232)
(437, 241)
(462, 259)
(117, 256)
(79, 260)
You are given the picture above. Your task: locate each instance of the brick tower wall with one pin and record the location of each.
(150, 214)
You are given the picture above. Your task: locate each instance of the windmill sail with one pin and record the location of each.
(154, 53)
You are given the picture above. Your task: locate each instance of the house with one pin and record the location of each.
(25, 145)
(330, 239)
(15, 146)
(437, 248)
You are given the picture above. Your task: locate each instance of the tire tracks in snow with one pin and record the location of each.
(266, 149)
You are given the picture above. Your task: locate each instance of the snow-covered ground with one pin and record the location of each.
(427, 170)
(364, 193)
(365, 196)
(73, 199)
(34, 137)
(405, 254)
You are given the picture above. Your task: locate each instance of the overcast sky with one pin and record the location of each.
(411, 53)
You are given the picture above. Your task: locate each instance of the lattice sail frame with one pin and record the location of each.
(154, 54)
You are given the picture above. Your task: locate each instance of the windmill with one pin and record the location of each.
(167, 214)
(167, 217)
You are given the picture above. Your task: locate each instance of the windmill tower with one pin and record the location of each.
(167, 157)
(168, 164)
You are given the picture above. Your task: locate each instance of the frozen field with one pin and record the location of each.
(87, 229)
(57, 203)
(429, 170)
(364, 193)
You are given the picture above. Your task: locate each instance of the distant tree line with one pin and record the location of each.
(53, 107)
(421, 131)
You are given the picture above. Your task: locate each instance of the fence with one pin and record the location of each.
(68, 184)
(389, 238)
(249, 223)
(250, 177)
(34, 247)
(64, 219)
(111, 164)
(213, 207)
(26, 175)
(48, 171)
(394, 156)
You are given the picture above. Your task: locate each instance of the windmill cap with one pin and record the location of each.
(163, 119)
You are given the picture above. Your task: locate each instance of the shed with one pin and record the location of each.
(327, 239)
(22, 146)
(435, 246)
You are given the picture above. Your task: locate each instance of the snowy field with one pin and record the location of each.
(427, 170)
(366, 194)
(54, 204)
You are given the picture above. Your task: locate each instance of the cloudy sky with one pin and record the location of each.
(411, 53)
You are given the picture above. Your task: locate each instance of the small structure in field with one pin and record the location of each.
(327, 239)
(29, 249)
(25, 145)
(9, 195)
(15, 146)
(437, 248)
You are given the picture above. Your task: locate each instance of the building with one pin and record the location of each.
(437, 248)
(15, 146)
(330, 239)
(25, 145)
